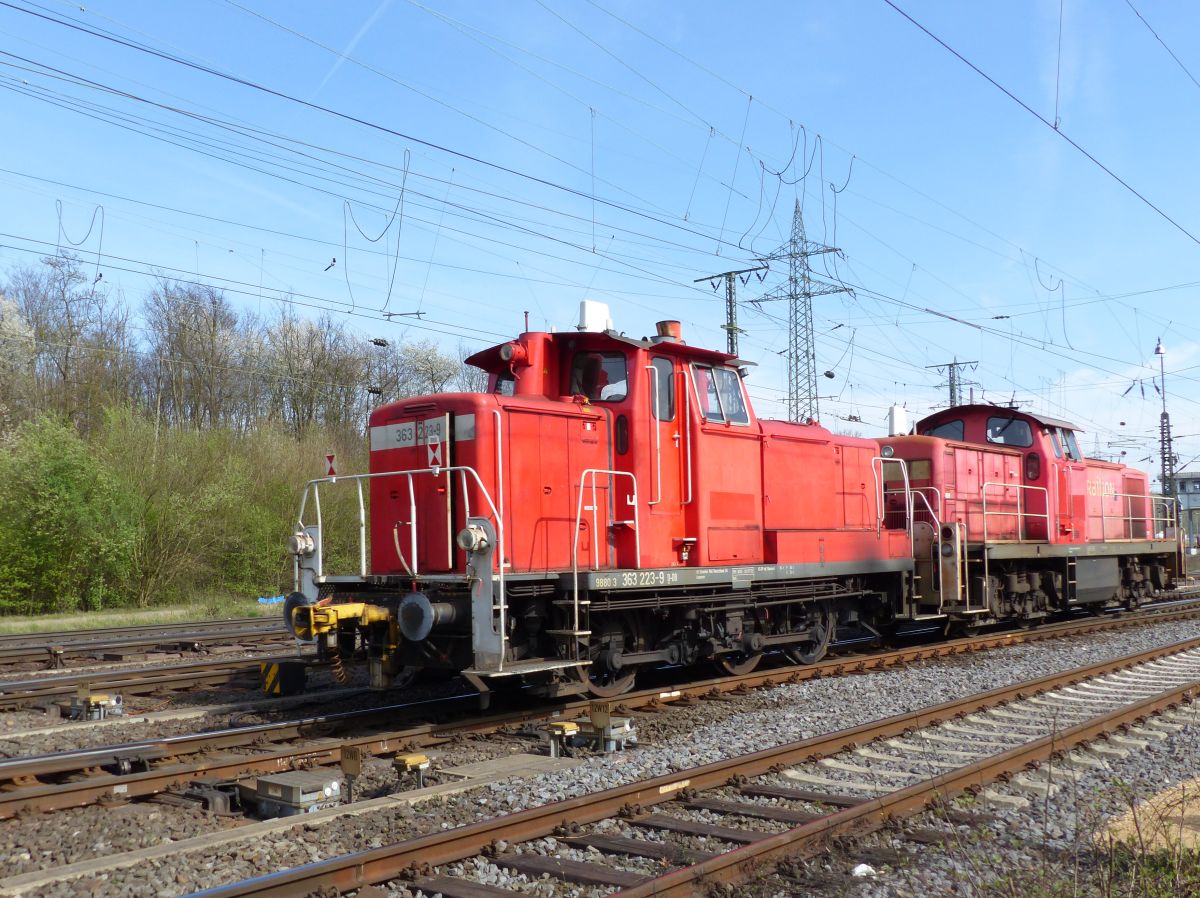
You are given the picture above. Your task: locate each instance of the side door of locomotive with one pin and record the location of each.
(666, 489)
(726, 469)
(1072, 489)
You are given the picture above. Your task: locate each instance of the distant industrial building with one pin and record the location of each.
(1188, 489)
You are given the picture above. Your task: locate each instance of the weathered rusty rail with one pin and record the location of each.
(147, 767)
(414, 858)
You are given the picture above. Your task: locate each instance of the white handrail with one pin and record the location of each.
(362, 532)
(686, 427)
(321, 534)
(590, 474)
(654, 423)
(1150, 521)
(1020, 514)
(313, 486)
(881, 490)
(500, 470)
(412, 525)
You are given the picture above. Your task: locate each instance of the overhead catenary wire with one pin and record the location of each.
(918, 312)
(1150, 28)
(344, 116)
(475, 212)
(1041, 118)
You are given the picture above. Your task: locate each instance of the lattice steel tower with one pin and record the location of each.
(799, 292)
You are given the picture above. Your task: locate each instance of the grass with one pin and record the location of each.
(208, 607)
(1144, 853)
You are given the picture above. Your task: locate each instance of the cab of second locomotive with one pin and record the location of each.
(1010, 476)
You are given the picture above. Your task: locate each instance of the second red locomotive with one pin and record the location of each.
(611, 503)
(1012, 522)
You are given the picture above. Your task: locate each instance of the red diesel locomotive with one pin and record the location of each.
(1010, 521)
(611, 503)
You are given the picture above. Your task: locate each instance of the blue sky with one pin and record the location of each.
(476, 160)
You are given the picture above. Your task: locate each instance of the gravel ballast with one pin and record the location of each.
(670, 741)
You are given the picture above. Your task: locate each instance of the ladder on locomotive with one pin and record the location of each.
(576, 636)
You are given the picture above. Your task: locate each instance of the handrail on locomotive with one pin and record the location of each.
(313, 487)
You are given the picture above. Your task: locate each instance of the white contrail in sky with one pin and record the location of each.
(367, 25)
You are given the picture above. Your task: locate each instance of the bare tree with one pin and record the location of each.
(469, 379)
(196, 343)
(318, 371)
(83, 356)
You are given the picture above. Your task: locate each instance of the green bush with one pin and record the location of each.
(67, 532)
(217, 506)
(145, 514)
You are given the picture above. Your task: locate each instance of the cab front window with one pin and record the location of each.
(1009, 431)
(947, 430)
(720, 394)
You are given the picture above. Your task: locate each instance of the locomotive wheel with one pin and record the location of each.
(600, 680)
(821, 619)
(738, 663)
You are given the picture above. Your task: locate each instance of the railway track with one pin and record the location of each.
(876, 773)
(55, 649)
(148, 767)
(43, 691)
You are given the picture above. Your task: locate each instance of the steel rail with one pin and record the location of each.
(871, 815)
(15, 694)
(162, 769)
(411, 857)
(53, 652)
(99, 634)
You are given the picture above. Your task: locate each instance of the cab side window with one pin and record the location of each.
(1073, 452)
(1056, 442)
(600, 376)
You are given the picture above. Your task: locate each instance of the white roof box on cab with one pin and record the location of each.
(594, 316)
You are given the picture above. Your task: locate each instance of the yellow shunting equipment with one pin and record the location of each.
(311, 621)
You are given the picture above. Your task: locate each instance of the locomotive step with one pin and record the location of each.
(515, 668)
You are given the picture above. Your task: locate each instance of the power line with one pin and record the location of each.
(479, 215)
(289, 299)
(730, 278)
(375, 126)
(1041, 118)
(954, 380)
(803, 401)
(1178, 61)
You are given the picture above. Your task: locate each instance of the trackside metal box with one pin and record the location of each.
(297, 792)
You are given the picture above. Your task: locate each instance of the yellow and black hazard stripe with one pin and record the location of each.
(271, 684)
